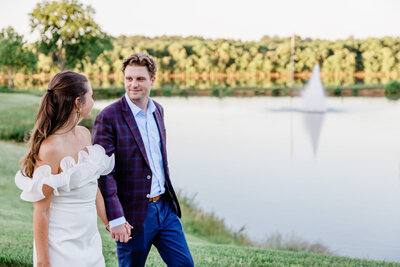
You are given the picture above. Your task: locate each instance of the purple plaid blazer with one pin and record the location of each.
(125, 188)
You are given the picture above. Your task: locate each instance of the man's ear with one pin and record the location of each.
(153, 80)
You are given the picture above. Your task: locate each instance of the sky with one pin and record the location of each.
(244, 20)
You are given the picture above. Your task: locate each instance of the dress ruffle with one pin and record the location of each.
(74, 174)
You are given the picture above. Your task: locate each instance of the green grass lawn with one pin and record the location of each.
(17, 115)
(210, 241)
(16, 235)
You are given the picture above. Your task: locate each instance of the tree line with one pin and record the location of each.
(71, 39)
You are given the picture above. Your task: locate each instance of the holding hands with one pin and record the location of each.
(121, 233)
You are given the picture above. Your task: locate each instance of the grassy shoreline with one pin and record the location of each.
(374, 90)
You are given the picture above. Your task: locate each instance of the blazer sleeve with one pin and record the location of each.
(104, 135)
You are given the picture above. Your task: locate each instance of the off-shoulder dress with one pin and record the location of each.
(73, 236)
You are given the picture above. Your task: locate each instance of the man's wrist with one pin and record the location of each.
(117, 222)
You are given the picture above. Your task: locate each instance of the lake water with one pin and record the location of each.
(259, 162)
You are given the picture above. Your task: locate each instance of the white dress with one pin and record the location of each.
(74, 239)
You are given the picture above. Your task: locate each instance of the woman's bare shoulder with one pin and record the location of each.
(86, 134)
(51, 153)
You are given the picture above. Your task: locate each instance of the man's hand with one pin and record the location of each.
(121, 233)
(128, 228)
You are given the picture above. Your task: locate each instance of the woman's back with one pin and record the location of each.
(72, 234)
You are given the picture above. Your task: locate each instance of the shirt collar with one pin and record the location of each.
(136, 110)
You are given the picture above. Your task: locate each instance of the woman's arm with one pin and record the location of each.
(101, 208)
(41, 227)
(50, 155)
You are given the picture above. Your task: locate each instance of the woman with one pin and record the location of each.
(59, 175)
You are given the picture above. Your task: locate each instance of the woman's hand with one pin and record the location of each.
(120, 234)
(128, 228)
(43, 263)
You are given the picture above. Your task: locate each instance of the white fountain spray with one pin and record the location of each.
(314, 93)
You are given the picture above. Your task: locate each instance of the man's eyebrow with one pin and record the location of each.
(133, 76)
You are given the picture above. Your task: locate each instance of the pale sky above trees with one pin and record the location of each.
(245, 20)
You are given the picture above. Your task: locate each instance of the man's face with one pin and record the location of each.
(138, 84)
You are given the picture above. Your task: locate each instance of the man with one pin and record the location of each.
(139, 190)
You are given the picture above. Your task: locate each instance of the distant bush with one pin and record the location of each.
(294, 243)
(337, 91)
(392, 90)
(275, 92)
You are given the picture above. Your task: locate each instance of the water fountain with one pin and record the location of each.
(314, 105)
(313, 109)
(314, 93)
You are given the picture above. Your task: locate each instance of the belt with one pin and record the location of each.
(155, 199)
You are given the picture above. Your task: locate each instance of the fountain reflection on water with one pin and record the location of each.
(313, 96)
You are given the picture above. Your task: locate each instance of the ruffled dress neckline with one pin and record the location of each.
(90, 166)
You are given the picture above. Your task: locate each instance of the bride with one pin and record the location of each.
(59, 175)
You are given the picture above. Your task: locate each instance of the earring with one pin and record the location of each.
(78, 111)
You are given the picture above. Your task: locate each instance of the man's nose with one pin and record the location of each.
(135, 83)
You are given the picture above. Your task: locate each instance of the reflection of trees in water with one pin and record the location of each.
(377, 80)
(342, 81)
(41, 82)
(106, 82)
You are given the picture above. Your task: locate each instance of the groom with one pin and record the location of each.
(139, 190)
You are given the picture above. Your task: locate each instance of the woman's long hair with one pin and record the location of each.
(54, 112)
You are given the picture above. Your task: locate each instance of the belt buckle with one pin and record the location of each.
(154, 200)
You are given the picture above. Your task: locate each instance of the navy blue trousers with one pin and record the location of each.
(163, 229)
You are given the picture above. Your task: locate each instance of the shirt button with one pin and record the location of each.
(148, 195)
(148, 177)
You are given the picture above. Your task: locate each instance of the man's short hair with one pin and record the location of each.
(141, 59)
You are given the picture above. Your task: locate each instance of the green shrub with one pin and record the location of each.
(219, 92)
(392, 89)
(275, 92)
(337, 91)
(166, 92)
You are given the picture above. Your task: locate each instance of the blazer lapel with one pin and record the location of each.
(161, 130)
(130, 120)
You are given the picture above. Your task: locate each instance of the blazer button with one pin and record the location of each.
(148, 195)
(148, 177)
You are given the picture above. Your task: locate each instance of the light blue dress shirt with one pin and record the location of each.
(148, 129)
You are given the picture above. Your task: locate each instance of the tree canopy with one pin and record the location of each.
(14, 55)
(68, 32)
(70, 38)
